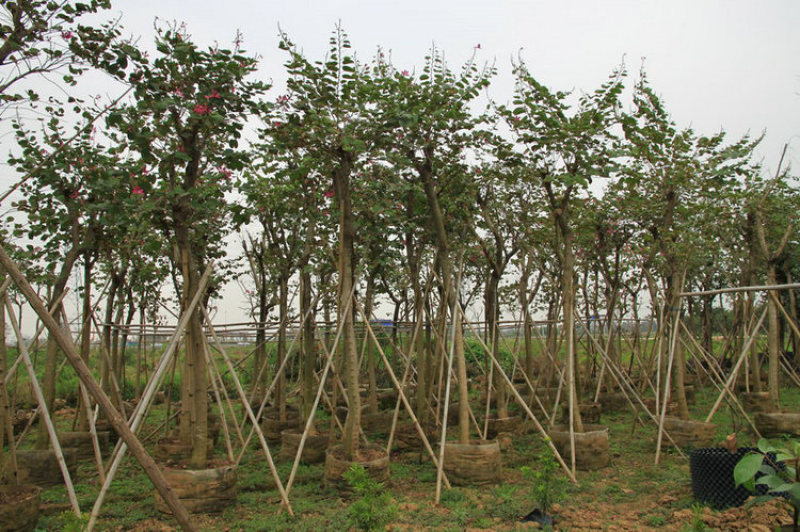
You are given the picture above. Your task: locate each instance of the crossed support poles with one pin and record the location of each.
(726, 385)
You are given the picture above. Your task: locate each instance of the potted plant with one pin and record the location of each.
(547, 487)
(771, 472)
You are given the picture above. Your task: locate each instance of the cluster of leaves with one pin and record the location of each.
(374, 506)
(774, 469)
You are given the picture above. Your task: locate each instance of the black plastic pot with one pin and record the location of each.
(537, 516)
(712, 476)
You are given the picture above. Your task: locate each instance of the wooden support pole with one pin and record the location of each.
(39, 330)
(150, 389)
(735, 370)
(85, 376)
(667, 378)
(37, 390)
(528, 411)
(256, 427)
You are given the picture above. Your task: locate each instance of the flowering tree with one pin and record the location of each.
(183, 131)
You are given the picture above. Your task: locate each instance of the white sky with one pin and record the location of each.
(728, 65)
(718, 64)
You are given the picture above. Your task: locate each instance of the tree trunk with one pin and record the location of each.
(51, 360)
(283, 322)
(773, 342)
(308, 353)
(86, 336)
(445, 266)
(372, 392)
(341, 181)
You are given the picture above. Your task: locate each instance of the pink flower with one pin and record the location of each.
(181, 149)
(67, 35)
(225, 172)
(214, 94)
(178, 92)
(405, 73)
(277, 124)
(478, 46)
(201, 109)
(75, 195)
(137, 190)
(328, 194)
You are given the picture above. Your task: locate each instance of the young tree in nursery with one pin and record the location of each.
(498, 236)
(183, 129)
(667, 171)
(72, 195)
(330, 116)
(285, 195)
(564, 150)
(773, 204)
(434, 130)
(604, 249)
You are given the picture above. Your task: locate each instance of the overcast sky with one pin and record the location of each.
(728, 65)
(718, 64)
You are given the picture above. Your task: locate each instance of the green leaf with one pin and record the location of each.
(747, 468)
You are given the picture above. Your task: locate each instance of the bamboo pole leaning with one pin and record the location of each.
(528, 411)
(137, 417)
(37, 389)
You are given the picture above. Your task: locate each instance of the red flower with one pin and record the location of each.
(137, 190)
(75, 195)
(67, 35)
(201, 109)
(225, 172)
(214, 94)
(405, 73)
(328, 194)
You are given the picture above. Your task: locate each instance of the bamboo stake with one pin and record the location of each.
(673, 344)
(228, 402)
(622, 381)
(718, 380)
(37, 390)
(39, 330)
(735, 369)
(401, 393)
(761, 288)
(528, 411)
(317, 397)
(256, 427)
(150, 389)
(443, 440)
(223, 422)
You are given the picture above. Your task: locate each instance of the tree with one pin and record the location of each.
(183, 130)
(434, 130)
(564, 152)
(329, 116)
(667, 172)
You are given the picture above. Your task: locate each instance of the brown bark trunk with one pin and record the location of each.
(341, 181)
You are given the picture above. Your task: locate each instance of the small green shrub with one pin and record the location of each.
(547, 485)
(374, 507)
